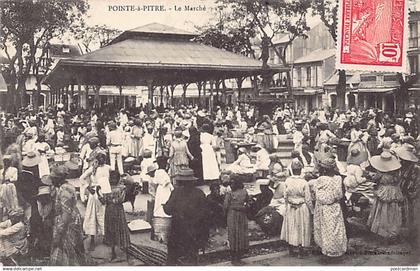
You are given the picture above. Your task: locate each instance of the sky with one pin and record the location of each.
(100, 13)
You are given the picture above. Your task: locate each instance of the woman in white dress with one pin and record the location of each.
(210, 165)
(297, 225)
(95, 180)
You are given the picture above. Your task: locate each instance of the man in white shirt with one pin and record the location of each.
(114, 142)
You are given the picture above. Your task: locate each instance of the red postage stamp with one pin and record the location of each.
(372, 35)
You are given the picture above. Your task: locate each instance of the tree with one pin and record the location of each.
(270, 18)
(224, 35)
(327, 10)
(90, 38)
(26, 29)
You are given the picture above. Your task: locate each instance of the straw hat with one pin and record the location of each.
(31, 159)
(407, 152)
(385, 162)
(356, 157)
(185, 174)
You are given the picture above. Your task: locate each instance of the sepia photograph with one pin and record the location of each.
(213, 133)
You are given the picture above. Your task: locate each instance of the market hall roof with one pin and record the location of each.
(154, 52)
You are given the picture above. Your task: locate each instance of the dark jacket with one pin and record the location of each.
(188, 208)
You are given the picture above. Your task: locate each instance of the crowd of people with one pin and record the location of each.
(341, 160)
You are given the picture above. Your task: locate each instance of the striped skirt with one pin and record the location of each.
(237, 224)
(116, 229)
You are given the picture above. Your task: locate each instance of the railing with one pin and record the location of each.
(413, 42)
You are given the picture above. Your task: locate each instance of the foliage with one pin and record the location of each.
(223, 35)
(92, 37)
(270, 18)
(327, 10)
(26, 30)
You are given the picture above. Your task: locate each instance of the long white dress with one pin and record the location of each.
(297, 225)
(94, 220)
(210, 166)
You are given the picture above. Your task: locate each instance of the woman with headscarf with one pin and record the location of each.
(67, 247)
(385, 218)
(94, 178)
(237, 222)
(209, 161)
(297, 226)
(116, 232)
(194, 146)
(329, 227)
(178, 153)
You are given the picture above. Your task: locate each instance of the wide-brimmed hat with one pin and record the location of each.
(385, 162)
(356, 157)
(407, 152)
(31, 159)
(185, 174)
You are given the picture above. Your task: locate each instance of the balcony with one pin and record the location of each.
(413, 42)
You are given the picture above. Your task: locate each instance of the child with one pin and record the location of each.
(116, 229)
(218, 148)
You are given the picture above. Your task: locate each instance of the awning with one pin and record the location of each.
(373, 90)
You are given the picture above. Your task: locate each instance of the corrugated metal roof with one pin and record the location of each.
(147, 52)
(160, 29)
(316, 56)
